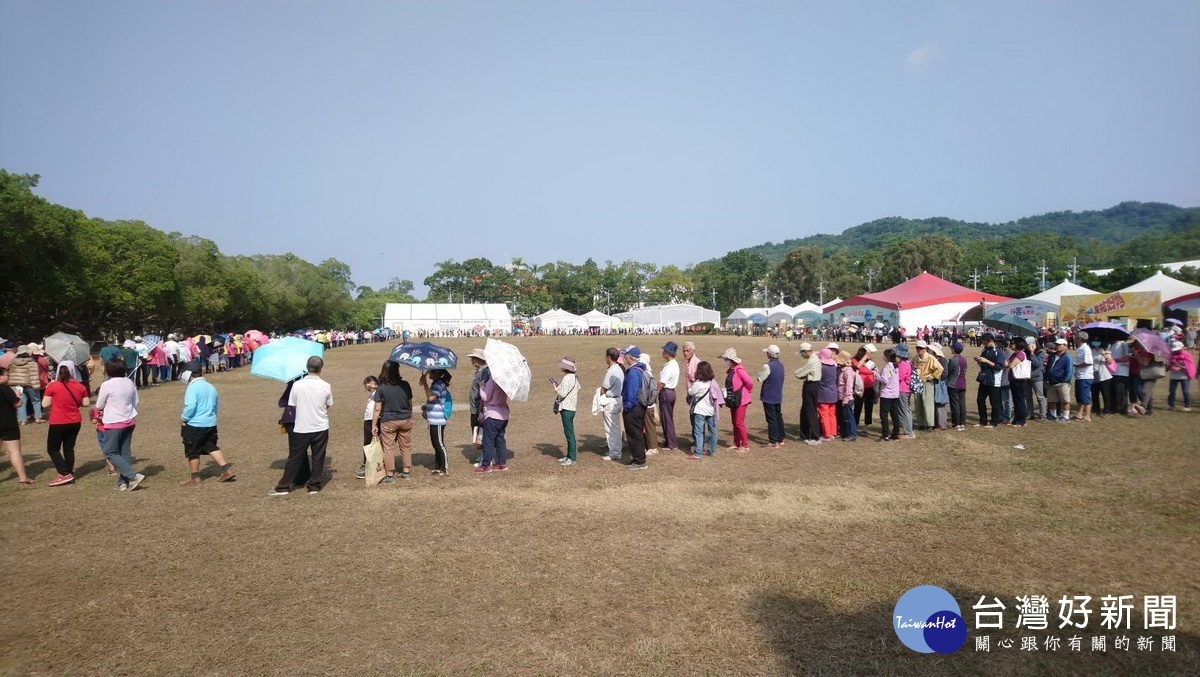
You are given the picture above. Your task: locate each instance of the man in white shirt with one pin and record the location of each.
(171, 348)
(1084, 374)
(668, 381)
(611, 388)
(311, 397)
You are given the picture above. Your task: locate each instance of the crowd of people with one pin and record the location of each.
(1061, 376)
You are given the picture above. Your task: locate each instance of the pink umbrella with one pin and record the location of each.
(1152, 342)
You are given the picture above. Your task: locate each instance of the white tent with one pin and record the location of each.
(780, 314)
(744, 316)
(807, 314)
(1035, 308)
(1054, 294)
(673, 315)
(559, 319)
(492, 317)
(597, 319)
(1174, 292)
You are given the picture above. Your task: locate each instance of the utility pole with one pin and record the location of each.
(714, 298)
(1075, 270)
(871, 273)
(821, 293)
(974, 278)
(1043, 270)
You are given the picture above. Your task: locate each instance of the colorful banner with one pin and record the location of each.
(862, 315)
(1085, 308)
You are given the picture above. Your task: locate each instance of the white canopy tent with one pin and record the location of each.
(673, 315)
(492, 317)
(1173, 291)
(597, 319)
(780, 314)
(557, 319)
(1035, 308)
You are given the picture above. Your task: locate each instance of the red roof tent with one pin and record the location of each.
(918, 292)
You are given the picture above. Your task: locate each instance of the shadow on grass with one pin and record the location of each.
(812, 638)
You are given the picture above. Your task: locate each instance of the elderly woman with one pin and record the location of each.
(566, 400)
(116, 417)
(738, 386)
(1181, 369)
(827, 396)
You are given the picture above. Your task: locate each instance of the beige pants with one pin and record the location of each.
(396, 436)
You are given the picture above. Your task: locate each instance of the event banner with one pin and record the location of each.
(1084, 308)
(867, 315)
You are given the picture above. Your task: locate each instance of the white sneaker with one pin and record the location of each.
(136, 481)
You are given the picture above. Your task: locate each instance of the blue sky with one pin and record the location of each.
(392, 135)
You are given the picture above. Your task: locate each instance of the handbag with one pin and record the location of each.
(941, 393)
(733, 398)
(1022, 370)
(1154, 371)
(915, 384)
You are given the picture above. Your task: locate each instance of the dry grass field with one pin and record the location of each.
(776, 562)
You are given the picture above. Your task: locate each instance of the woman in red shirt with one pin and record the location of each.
(63, 397)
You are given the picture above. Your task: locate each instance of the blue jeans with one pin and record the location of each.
(849, 427)
(704, 429)
(1187, 392)
(495, 450)
(30, 395)
(115, 444)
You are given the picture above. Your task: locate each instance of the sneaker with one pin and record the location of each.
(693, 457)
(361, 473)
(390, 479)
(1187, 409)
(651, 452)
(61, 480)
(636, 466)
(566, 461)
(314, 491)
(122, 485)
(500, 467)
(477, 464)
(908, 436)
(137, 481)
(961, 428)
(611, 458)
(404, 474)
(812, 443)
(276, 492)
(482, 468)
(226, 476)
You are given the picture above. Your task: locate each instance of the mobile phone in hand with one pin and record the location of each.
(553, 382)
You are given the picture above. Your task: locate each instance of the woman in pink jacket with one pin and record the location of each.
(738, 386)
(1180, 371)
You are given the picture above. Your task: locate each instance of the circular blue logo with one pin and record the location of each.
(927, 619)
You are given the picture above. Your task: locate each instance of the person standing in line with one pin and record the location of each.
(772, 396)
(63, 398)
(633, 409)
(703, 413)
(865, 403)
(1020, 369)
(1085, 373)
(905, 369)
(370, 384)
(438, 408)
(198, 428)
(738, 387)
(848, 430)
(1181, 369)
(809, 374)
(1037, 378)
(990, 368)
(928, 370)
(116, 411)
(888, 379)
(23, 373)
(312, 397)
(10, 431)
(1060, 370)
(668, 381)
(827, 396)
(611, 391)
(494, 416)
(392, 421)
(941, 400)
(481, 375)
(956, 384)
(566, 396)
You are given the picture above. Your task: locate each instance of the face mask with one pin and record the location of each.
(1095, 344)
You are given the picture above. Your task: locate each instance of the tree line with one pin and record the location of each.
(66, 271)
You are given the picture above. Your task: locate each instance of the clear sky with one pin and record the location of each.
(392, 135)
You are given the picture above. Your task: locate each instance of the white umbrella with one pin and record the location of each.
(62, 346)
(509, 369)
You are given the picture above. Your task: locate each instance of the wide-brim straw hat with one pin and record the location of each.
(731, 355)
(477, 354)
(567, 364)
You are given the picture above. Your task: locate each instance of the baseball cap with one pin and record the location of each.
(771, 349)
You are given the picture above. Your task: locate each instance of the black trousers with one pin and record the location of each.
(437, 438)
(958, 407)
(1120, 395)
(635, 422)
(864, 404)
(774, 414)
(143, 376)
(298, 470)
(62, 436)
(1020, 399)
(989, 394)
(810, 423)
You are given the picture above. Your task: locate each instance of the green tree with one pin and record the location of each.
(798, 276)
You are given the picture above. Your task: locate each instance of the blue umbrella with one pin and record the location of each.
(285, 359)
(424, 356)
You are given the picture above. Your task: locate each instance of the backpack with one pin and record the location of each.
(858, 384)
(733, 398)
(915, 384)
(646, 392)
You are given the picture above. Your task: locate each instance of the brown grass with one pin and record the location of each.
(780, 562)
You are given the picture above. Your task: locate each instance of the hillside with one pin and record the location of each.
(1112, 226)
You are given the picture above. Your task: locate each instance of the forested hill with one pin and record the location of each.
(1113, 226)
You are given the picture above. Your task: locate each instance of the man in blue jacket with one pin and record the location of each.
(1059, 372)
(199, 429)
(633, 410)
